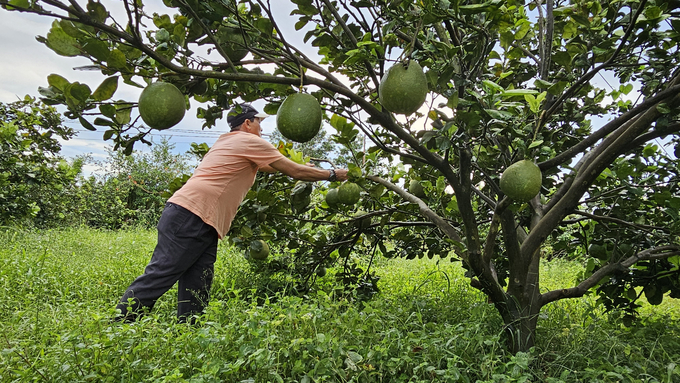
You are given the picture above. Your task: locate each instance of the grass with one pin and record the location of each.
(58, 290)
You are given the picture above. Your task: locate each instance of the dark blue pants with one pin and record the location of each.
(186, 252)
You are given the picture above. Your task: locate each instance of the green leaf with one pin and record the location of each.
(18, 3)
(58, 81)
(535, 144)
(97, 49)
(518, 92)
(534, 104)
(60, 42)
(117, 59)
(123, 111)
(107, 110)
(106, 89)
(80, 92)
(663, 108)
(97, 11)
(492, 86)
(103, 122)
(86, 124)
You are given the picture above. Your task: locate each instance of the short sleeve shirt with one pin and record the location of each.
(222, 180)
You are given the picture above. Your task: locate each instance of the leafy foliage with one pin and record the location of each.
(131, 190)
(32, 175)
(506, 81)
(425, 326)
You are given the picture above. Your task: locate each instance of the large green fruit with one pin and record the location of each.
(349, 193)
(161, 105)
(232, 42)
(415, 188)
(598, 251)
(259, 249)
(403, 89)
(521, 181)
(299, 117)
(332, 197)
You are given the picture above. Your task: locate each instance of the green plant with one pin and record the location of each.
(505, 83)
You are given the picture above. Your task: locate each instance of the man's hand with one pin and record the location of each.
(305, 172)
(341, 174)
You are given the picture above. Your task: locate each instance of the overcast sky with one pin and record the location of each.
(26, 63)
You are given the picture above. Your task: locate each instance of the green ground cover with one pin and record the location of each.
(58, 290)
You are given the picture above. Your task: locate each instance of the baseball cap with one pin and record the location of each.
(235, 119)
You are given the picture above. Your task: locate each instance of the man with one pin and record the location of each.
(201, 212)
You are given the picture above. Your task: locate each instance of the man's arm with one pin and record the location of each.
(267, 169)
(303, 172)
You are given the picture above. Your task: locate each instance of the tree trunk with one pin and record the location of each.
(523, 302)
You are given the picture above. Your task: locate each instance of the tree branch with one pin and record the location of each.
(352, 38)
(646, 228)
(608, 128)
(578, 84)
(593, 164)
(661, 252)
(425, 210)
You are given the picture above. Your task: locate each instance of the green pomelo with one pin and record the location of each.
(321, 272)
(598, 251)
(521, 181)
(299, 117)
(161, 105)
(349, 193)
(232, 42)
(403, 89)
(332, 197)
(259, 249)
(415, 188)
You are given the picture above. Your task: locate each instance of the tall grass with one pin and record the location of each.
(58, 290)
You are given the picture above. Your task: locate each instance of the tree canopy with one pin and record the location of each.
(506, 81)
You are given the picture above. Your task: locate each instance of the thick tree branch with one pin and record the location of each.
(608, 128)
(592, 166)
(661, 252)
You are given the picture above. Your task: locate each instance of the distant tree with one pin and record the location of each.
(132, 189)
(32, 173)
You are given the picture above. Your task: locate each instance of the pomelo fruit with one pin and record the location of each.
(299, 117)
(415, 188)
(349, 193)
(232, 42)
(521, 181)
(598, 251)
(332, 197)
(161, 105)
(321, 272)
(403, 89)
(259, 249)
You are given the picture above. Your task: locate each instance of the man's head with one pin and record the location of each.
(246, 115)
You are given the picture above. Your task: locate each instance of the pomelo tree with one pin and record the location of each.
(586, 90)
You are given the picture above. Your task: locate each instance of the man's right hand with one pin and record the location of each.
(341, 174)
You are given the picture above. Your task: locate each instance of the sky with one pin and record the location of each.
(25, 64)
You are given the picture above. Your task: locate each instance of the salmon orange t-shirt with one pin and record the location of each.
(222, 180)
